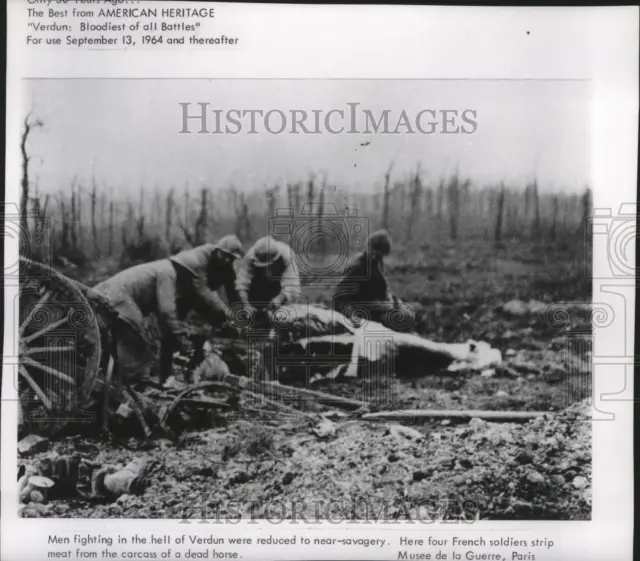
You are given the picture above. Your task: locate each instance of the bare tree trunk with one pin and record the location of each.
(24, 201)
(385, 198)
(79, 218)
(454, 195)
(500, 213)
(103, 217)
(271, 200)
(94, 228)
(243, 224)
(322, 239)
(416, 194)
(110, 228)
(74, 217)
(186, 204)
(402, 193)
(290, 200)
(440, 200)
(310, 194)
(168, 216)
(554, 218)
(296, 195)
(157, 208)
(201, 223)
(131, 219)
(587, 211)
(536, 209)
(428, 202)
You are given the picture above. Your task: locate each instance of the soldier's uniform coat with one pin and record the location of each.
(168, 289)
(363, 289)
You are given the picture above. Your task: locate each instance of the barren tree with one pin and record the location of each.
(290, 200)
(554, 218)
(536, 208)
(454, 197)
(322, 238)
(296, 196)
(272, 194)
(440, 200)
(74, 216)
(586, 207)
(385, 198)
(94, 229)
(168, 216)
(416, 194)
(29, 125)
(500, 213)
(111, 227)
(201, 222)
(310, 193)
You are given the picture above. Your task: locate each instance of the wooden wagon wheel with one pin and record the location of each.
(59, 349)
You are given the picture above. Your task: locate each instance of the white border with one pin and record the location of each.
(600, 44)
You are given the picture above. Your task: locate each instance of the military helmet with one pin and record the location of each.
(232, 245)
(266, 251)
(380, 243)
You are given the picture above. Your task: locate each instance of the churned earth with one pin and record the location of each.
(352, 470)
(530, 303)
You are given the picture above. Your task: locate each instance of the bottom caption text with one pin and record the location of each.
(195, 546)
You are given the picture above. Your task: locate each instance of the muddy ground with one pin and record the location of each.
(274, 466)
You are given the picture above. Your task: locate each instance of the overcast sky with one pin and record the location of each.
(126, 133)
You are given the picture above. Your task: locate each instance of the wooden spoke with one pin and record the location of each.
(44, 368)
(44, 330)
(43, 300)
(64, 385)
(36, 350)
(36, 388)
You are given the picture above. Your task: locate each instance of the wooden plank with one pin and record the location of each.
(271, 388)
(463, 415)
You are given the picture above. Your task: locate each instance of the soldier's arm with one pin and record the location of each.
(229, 283)
(243, 282)
(207, 302)
(289, 285)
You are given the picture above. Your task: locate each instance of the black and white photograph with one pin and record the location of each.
(318, 282)
(323, 299)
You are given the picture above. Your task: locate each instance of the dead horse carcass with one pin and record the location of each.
(322, 342)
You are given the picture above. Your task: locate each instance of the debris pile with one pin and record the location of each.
(481, 470)
(541, 470)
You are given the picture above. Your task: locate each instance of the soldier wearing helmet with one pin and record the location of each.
(169, 289)
(363, 288)
(267, 277)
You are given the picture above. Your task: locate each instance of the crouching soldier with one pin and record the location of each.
(363, 290)
(169, 289)
(267, 277)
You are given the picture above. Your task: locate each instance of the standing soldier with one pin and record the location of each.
(364, 288)
(267, 277)
(169, 289)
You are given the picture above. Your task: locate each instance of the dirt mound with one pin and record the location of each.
(362, 471)
(541, 470)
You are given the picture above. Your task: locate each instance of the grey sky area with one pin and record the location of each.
(127, 133)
